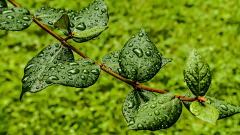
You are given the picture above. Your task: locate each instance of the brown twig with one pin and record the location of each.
(133, 84)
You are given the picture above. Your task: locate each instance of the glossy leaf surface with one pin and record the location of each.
(63, 24)
(55, 65)
(197, 74)
(133, 101)
(159, 113)
(225, 109)
(204, 111)
(15, 18)
(91, 17)
(111, 61)
(140, 58)
(3, 4)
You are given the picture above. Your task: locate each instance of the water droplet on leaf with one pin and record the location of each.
(224, 107)
(26, 18)
(95, 71)
(81, 26)
(138, 52)
(74, 71)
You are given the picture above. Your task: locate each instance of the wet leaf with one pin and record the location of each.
(63, 24)
(3, 4)
(158, 113)
(204, 111)
(91, 18)
(165, 61)
(140, 58)
(15, 18)
(197, 74)
(55, 65)
(111, 61)
(133, 101)
(225, 109)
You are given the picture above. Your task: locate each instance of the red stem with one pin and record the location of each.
(133, 84)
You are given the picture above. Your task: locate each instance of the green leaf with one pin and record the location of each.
(3, 4)
(111, 62)
(90, 33)
(63, 24)
(225, 109)
(165, 61)
(204, 111)
(197, 74)
(158, 113)
(55, 65)
(93, 16)
(133, 101)
(15, 18)
(140, 58)
(49, 16)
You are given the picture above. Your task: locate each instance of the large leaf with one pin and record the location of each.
(204, 111)
(3, 4)
(158, 113)
(140, 58)
(15, 18)
(133, 101)
(225, 109)
(63, 24)
(91, 17)
(55, 64)
(197, 74)
(111, 61)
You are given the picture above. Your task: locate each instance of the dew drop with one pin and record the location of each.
(131, 122)
(73, 64)
(25, 78)
(134, 71)
(224, 107)
(26, 18)
(140, 34)
(28, 67)
(138, 52)
(232, 110)
(7, 11)
(156, 112)
(160, 101)
(50, 23)
(104, 10)
(74, 71)
(131, 104)
(81, 26)
(153, 106)
(148, 53)
(130, 45)
(140, 126)
(96, 8)
(19, 22)
(85, 71)
(83, 77)
(150, 114)
(119, 70)
(10, 17)
(95, 71)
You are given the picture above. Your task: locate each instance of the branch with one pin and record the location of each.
(133, 84)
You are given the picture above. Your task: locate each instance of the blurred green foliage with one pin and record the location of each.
(175, 26)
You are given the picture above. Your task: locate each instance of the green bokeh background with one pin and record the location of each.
(175, 26)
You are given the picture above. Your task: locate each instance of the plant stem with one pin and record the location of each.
(133, 84)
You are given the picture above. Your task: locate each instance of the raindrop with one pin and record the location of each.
(153, 106)
(224, 107)
(19, 21)
(57, 45)
(70, 78)
(130, 45)
(37, 87)
(7, 11)
(96, 8)
(26, 18)
(25, 78)
(28, 67)
(119, 70)
(62, 67)
(81, 26)
(160, 101)
(150, 48)
(138, 52)
(83, 77)
(140, 126)
(74, 71)
(53, 78)
(134, 71)
(140, 34)
(104, 10)
(148, 53)
(131, 122)
(73, 64)
(154, 99)
(156, 112)
(25, 24)
(85, 71)
(127, 52)
(95, 71)
(50, 23)
(144, 121)
(148, 40)
(130, 105)
(150, 114)
(10, 17)
(232, 110)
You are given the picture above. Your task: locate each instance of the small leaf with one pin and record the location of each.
(55, 65)
(158, 113)
(197, 74)
(111, 61)
(15, 18)
(3, 4)
(204, 111)
(63, 24)
(133, 101)
(90, 33)
(225, 109)
(49, 16)
(140, 58)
